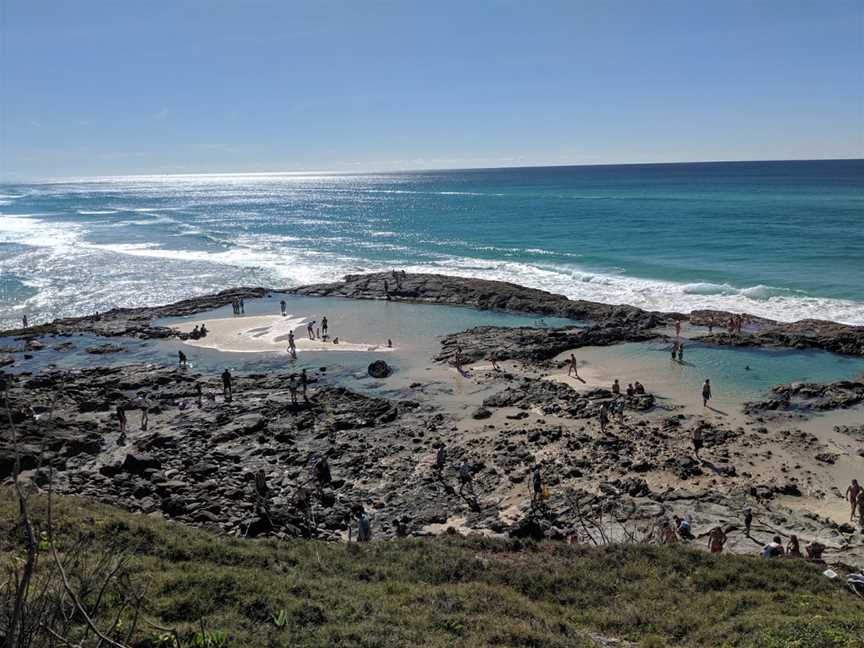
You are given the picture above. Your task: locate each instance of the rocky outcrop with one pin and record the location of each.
(530, 344)
(806, 334)
(805, 397)
(478, 293)
(551, 397)
(379, 369)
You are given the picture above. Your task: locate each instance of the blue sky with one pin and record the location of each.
(100, 88)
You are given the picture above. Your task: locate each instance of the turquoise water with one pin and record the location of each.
(735, 373)
(780, 239)
(414, 328)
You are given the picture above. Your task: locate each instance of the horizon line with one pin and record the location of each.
(96, 178)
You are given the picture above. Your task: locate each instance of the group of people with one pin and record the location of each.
(678, 350)
(682, 529)
(238, 306)
(855, 497)
(200, 331)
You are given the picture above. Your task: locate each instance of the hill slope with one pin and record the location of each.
(446, 591)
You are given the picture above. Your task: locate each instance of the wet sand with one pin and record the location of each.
(265, 333)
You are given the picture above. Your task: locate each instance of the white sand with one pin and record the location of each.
(265, 333)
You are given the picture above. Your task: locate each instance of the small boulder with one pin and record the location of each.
(379, 369)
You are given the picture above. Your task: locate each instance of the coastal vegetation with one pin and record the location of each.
(148, 582)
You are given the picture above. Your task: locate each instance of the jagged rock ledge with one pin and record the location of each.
(806, 397)
(478, 293)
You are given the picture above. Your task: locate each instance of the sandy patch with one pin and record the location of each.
(265, 333)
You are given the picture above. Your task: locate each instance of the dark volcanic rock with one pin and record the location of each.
(379, 369)
(810, 396)
(465, 291)
(105, 348)
(804, 334)
(136, 464)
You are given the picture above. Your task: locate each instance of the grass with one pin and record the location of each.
(451, 591)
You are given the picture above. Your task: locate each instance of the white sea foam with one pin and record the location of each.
(96, 212)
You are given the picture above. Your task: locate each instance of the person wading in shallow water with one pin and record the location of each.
(284, 307)
(706, 392)
(324, 326)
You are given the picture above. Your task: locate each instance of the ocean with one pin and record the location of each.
(780, 239)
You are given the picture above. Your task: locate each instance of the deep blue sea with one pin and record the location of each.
(780, 239)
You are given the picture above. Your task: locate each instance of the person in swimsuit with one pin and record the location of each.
(493, 358)
(284, 307)
(292, 346)
(616, 388)
(324, 326)
(716, 540)
(182, 362)
(310, 330)
(852, 492)
(706, 392)
(574, 366)
(604, 418)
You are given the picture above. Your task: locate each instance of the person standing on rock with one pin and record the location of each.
(748, 520)
(466, 477)
(227, 393)
(716, 540)
(24, 320)
(852, 493)
(619, 411)
(697, 440)
(493, 358)
(536, 487)
(121, 419)
(604, 418)
(284, 307)
(440, 460)
(182, 361)
(292, 388)
(304, 384)
(321, 472)
(364, 525)
(616, 387)
(706, 392)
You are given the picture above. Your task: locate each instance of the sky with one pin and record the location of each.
(92, 87)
